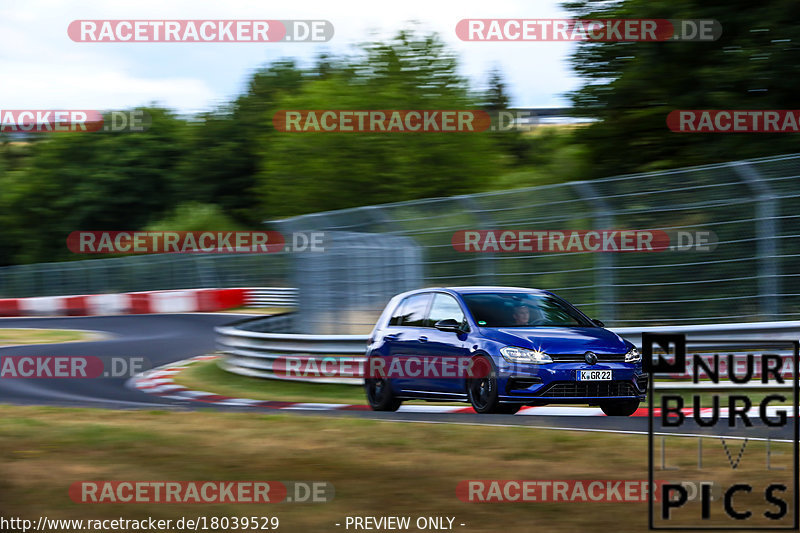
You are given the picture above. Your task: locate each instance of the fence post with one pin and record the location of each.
(602, 218)
(485, 260)
(766, 239)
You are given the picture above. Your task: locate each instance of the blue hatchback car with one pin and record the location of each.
(539, 349)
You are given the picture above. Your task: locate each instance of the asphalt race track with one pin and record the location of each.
(167, 338)
(161, 339)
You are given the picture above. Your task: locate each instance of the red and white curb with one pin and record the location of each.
(171, 301)
(160, 382)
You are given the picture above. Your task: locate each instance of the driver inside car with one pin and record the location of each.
(521, 316)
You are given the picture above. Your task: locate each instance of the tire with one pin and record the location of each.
(483, 394)
(620, 408)
(380, 395)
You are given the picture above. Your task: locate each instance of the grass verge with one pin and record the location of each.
(208, 376)
(377, 468)
(258, 310)
(21, 336)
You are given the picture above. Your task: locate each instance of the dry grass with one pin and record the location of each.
(257, 310)
(21, 336)
(209, 377)
(377, 468)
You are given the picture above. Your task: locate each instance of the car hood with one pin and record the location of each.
(563, 340)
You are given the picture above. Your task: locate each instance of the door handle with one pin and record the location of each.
(423, 338)
(391, 336)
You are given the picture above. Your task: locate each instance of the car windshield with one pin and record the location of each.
(520, 310)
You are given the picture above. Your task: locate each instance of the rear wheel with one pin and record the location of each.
(620, 408)
(380, 395)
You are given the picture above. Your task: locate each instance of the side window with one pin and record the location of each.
(445, 306)
(413, 310)
(397, 316)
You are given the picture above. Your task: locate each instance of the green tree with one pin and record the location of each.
(195, 217)
(496, 96)
(90, 181)
(632, 87)
(222, 158)
(307, 172)
(514, 143)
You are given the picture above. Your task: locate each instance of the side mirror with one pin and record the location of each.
(598, 323)
(449, 324)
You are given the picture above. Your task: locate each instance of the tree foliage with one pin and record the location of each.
(632, 87)
(310, 171)
(229, 166)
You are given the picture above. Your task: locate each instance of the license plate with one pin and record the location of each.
(594, 375)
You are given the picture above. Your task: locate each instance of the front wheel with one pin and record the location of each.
(620, 408)
(483, 394)
(380, 395)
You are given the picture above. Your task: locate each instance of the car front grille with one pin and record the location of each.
(589, 389)
(581, 358)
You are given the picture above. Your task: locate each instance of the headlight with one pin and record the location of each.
(633, 356)
(514, 354)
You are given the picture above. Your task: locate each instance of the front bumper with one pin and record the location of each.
(558, 383)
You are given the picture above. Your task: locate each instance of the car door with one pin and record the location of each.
(388, 335)
(410, 334)
(445, 344)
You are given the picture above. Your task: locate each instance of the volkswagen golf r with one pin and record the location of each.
(536, 347)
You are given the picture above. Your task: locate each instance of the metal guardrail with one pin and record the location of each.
(788, 330)
(252, 353)
(271, 297)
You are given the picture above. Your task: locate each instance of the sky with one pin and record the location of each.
(41, 68)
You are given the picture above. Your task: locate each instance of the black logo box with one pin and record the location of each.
(677, 342)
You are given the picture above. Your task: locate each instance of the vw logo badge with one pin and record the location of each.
(591, 357)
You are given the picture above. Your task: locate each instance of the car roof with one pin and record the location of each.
(472, 289)
(489, 288)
